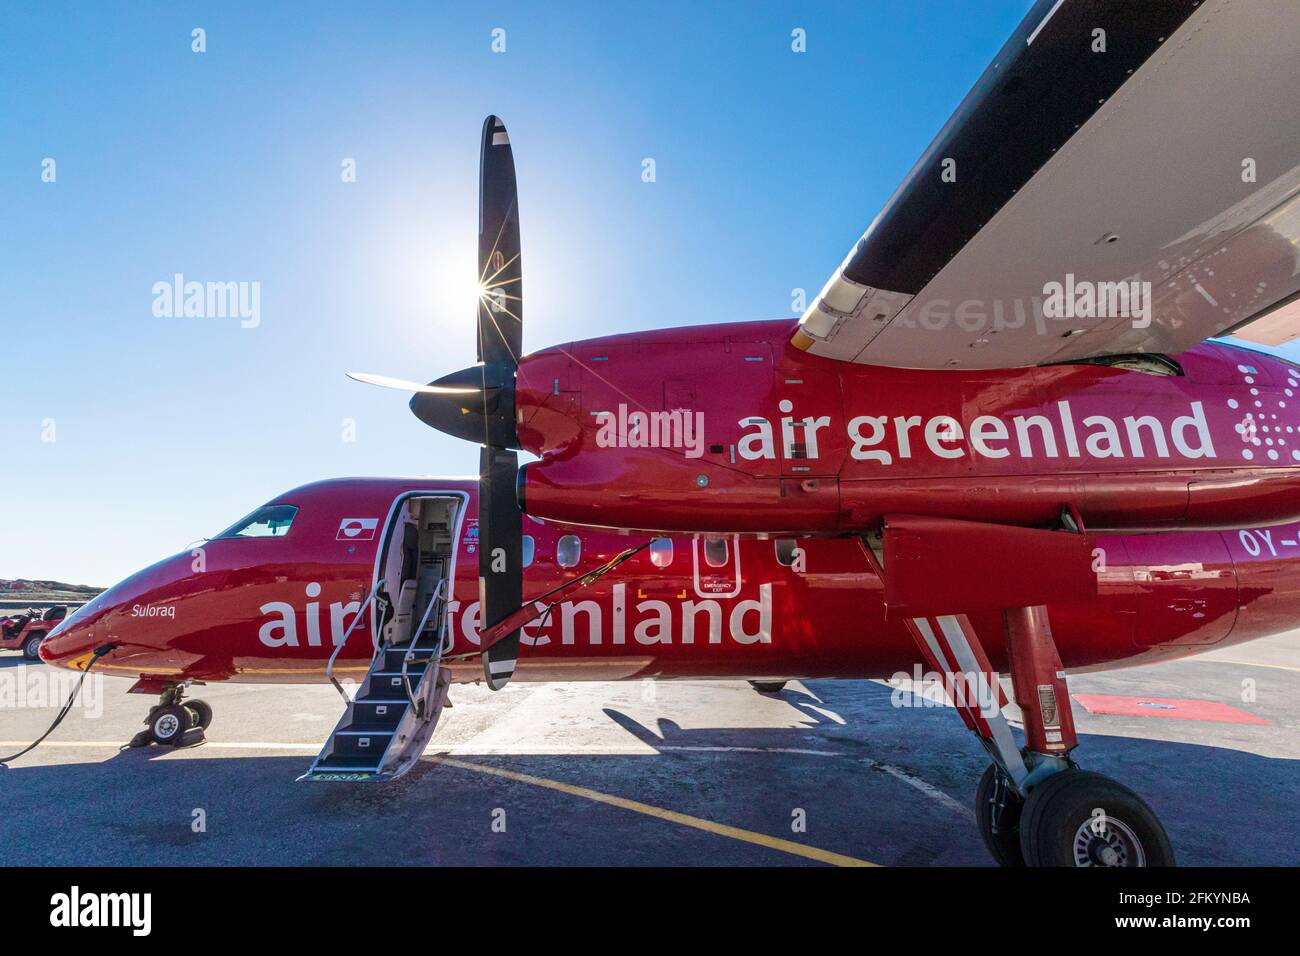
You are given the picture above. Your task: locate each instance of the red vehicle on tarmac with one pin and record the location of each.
(997, 442)
(25, 630)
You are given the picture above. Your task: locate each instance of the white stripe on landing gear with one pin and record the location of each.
(954, 638)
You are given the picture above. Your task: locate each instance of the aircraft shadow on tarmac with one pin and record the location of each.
(1221, 806)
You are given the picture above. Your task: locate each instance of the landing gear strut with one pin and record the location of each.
(1035, 807)
(173, 722)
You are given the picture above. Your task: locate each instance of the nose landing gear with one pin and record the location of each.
(175, 722)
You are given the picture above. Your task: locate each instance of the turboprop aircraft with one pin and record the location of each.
(291, 594)
(997, 437)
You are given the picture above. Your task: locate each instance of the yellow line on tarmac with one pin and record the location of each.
(672, 816)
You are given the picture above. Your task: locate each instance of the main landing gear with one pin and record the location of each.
(175, 722)
(1034, 806)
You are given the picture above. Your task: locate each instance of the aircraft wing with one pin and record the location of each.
(1110, 144)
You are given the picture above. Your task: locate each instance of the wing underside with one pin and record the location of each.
(1124, 178)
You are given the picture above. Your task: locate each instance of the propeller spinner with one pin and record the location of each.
(478, 403)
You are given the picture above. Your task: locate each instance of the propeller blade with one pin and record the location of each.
(500, 271)
(500, 558)
(401, 385)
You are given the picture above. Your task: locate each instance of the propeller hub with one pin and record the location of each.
(485, 417)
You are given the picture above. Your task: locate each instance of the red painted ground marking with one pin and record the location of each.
(1166, 707)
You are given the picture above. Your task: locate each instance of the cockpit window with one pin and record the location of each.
(271, 521)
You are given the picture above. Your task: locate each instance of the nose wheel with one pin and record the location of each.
(173, 722)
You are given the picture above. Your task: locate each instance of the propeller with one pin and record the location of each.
(402, 385)
(478, 403)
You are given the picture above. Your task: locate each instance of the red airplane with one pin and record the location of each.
(995, 443)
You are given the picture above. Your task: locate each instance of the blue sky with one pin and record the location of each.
(225, 166)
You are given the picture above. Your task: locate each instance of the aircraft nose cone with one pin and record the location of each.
(68, 644)
(120, 616)
(484, 416)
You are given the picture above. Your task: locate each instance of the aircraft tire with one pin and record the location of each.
(1003, 845)
(167, 725)
(201, 711)
(1076, 818)
(768, 686)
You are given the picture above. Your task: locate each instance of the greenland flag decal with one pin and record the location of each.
(357, 529)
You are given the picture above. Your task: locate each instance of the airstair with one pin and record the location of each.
(387, 725)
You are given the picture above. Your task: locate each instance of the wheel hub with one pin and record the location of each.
(1106, 841)
(166, 725)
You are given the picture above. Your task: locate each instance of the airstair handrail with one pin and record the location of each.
(436, 659)
(361, 613)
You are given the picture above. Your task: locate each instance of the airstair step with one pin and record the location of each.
(377, 714)
(394, 656)
(389, 684)
(362, 742)
(355, 762)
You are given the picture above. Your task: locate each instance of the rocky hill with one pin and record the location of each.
(38, 593)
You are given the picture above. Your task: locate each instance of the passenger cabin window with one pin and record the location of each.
(568, 551)
(530, 548)
(785, 550)
(715, 552)
(272, 521)
(661, 552)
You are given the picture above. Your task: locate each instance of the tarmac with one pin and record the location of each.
(639, 773)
